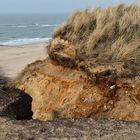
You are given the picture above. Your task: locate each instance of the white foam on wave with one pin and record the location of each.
(24, 41)
(21, 26)
(48, 25)
(37, 25)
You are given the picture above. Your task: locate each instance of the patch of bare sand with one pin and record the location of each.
(15, 58)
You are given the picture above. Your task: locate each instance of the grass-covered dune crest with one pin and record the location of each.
(104, 34)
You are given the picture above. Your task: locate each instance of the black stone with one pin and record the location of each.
(15, 104)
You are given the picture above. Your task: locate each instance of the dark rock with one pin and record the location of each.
(63, 60)
(61, 52)
(3, 81)
(15, 104)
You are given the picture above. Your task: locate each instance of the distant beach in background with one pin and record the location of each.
(21, 29)
(13, 59)
(23, 39)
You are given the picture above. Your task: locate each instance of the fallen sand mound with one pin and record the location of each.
(61, 92)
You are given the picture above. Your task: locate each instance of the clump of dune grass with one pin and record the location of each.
(104, 34)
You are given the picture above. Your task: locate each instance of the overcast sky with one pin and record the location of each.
(53, 6)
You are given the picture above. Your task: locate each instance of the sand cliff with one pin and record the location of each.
(89, 83)
(95, 78)
(62, 89)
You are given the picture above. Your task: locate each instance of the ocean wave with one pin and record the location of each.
(21, 26)
(36, 25)
(48, 25)
(24, 41)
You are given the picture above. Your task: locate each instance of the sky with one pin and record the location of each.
(54, 6)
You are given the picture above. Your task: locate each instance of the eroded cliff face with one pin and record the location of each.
(62, 92)
(93, 67)
(63, 86)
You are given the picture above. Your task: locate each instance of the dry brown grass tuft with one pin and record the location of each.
(104, 35)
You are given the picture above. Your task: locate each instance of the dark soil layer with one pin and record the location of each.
(14, 103)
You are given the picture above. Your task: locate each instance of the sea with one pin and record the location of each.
(20, 29)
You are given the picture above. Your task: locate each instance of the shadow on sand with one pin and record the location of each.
(14, 103)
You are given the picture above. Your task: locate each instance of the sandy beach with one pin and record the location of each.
(15, 58)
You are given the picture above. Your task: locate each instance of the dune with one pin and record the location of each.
(87, 86)
(92, 70)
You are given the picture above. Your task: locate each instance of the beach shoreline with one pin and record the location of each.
(13, 59)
